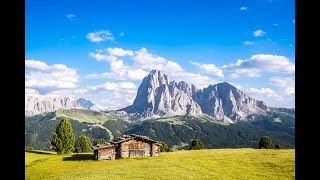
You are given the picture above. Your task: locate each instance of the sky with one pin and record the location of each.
(101, 50)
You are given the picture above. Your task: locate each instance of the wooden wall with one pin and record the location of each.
(129, 149)
(155, 150)
(106, 153)
(135, 148)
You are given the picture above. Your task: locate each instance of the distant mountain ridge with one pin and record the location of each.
(157, 97)
(35, 103)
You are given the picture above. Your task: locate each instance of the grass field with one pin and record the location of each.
(197, 164)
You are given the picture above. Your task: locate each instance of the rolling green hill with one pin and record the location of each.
(175, 131)
(197, 164)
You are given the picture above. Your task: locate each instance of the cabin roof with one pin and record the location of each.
(122, 139)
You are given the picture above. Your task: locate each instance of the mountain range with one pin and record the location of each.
(171, 111)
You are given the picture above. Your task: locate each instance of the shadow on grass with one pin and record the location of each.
(38, 152)
(79, 157)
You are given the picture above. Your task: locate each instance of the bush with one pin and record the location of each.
(164, 146)
(279, 146)
(170, 150)
(83, 144)
(196, 144)
(63, 138)
(266, 143)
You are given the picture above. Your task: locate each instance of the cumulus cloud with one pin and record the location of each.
(263, 91)
(142, 58)
(121, 34)
(110, 86)
(259, 63)
(70, 16)
(258, 33)
(45, 78)
(243, 8)
(143, 62)
(119, 52)
(99, 36)
(285, 84)
(120, 71)
(209, 68)
(248, 42)
(198, 80)
(102, 57)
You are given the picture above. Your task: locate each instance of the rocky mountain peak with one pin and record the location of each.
(157, 97)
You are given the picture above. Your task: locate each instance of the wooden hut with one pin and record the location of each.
(128, 146)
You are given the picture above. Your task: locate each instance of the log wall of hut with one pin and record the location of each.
(135, 148)
(105, 153)
(155, 150)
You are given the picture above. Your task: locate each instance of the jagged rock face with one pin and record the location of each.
(224, 101)
(156, 96)
(37, 104)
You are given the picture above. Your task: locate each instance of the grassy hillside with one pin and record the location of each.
(175, 131)
(198, 164)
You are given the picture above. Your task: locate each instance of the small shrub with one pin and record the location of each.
(278, 146)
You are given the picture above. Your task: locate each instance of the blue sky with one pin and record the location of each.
(101, 50)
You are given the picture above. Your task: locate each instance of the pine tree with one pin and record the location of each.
(83, 144)
(63, 138)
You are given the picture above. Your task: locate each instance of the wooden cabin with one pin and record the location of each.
(128, 146)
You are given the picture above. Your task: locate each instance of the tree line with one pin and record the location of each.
(63, 141)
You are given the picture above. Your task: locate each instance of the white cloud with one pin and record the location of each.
(121, 34)
(259, 63)
(45, 78)
(192, 78)
(263, 91)
(248, 42)
(209, 68)
(70, 16)
(119, 52)
(293, 21)
(148, 61)
(102, 57)
(143, 62)
(275, 25)
(110, 86)
(99, 36)
(243, 8)
(285, 84)
(258, 33)
(120, 71)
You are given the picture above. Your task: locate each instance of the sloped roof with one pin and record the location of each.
(124, 138)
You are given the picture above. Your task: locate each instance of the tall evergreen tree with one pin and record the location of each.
(83, 144)
(63, 138)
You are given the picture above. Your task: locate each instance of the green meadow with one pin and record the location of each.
(197, 164)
